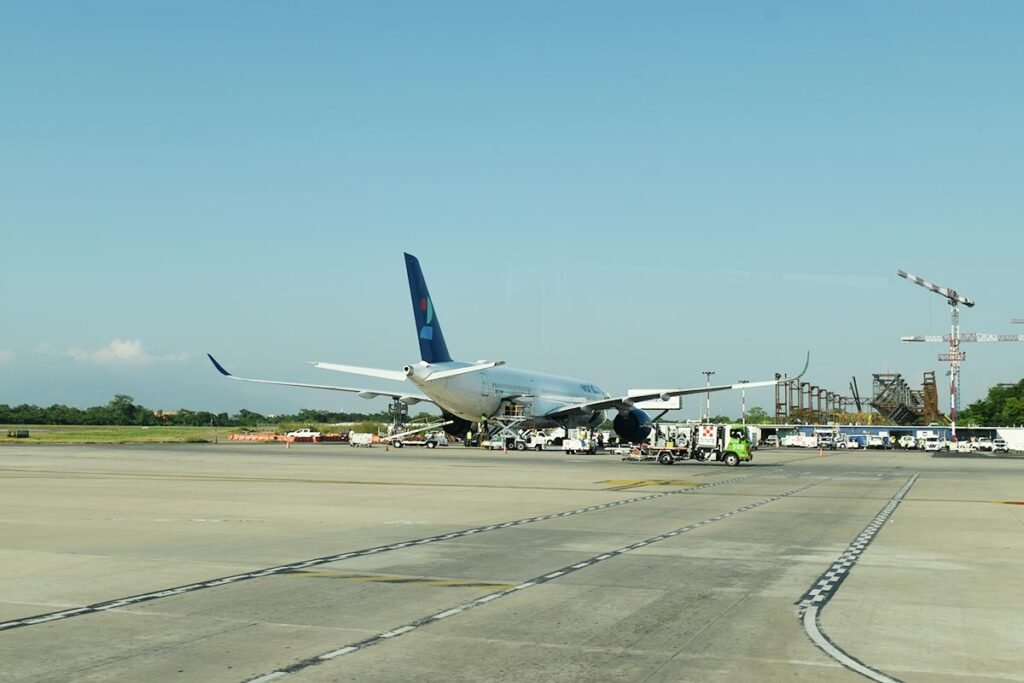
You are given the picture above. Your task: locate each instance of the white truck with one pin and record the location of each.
(879, 441)
(846, 441)
(574, 446)
(304, 433)
(907, 441)
(800, 441)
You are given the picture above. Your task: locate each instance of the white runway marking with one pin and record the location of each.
(540, 580)
(825, 586)
(270, 571)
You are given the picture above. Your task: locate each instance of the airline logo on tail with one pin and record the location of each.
(427, 332)
(428, 325)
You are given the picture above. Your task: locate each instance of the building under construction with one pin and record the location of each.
(892, 400)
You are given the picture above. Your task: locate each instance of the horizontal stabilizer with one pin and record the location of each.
(396, 375)
(445, 374)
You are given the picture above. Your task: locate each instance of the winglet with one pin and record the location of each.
(806, 364)
(220, 368)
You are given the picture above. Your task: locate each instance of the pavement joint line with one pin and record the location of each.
(284, 568)
(540, 580)
(813, 602)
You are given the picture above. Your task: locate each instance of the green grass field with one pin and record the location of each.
(104, 434)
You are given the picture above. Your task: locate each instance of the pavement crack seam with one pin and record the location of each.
(291, 567)
(824, 588)
(539, 580)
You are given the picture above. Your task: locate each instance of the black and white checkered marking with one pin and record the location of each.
(545, 578)
(812, 602)
(270, 571)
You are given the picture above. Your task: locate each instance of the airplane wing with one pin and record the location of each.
(411, 399)
(627, 402)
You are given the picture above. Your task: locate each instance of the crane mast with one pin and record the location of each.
(955, 355)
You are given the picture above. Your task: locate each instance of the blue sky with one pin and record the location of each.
(625, 192)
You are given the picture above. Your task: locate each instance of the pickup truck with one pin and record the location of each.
(304, 433)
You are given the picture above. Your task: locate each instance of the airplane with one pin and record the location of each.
(488, 391)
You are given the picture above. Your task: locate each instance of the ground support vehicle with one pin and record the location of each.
(879, 441)
(420, 436)
(670, 455)
(982, 445)
(429, 439)
(800, 441)
(724, 443)
(907, 441)
(360, 439)
(964, 447)
(541, 442)
(856, 441)
(635, 453)
(999, 446)
(574, 446)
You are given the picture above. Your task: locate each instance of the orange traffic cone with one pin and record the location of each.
(821, 452)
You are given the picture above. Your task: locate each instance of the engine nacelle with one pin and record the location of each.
(458, 427)
(633, 426)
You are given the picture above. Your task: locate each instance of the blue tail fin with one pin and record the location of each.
(428, 327)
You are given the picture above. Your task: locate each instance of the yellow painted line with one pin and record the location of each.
(419, 581)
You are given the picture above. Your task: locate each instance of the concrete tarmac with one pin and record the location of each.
(240, 562)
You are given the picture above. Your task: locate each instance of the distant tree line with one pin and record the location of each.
(1002, 407)
(122, 410)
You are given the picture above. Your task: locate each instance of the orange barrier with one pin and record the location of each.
(269, 436)
(256, 437)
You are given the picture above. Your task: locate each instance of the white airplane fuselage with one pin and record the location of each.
(480, 394)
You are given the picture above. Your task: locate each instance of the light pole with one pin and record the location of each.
(708, 374)
(743, 393)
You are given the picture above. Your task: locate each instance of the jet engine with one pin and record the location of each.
(633, 425)
(458, 427)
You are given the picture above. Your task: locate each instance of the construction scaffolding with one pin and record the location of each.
(930, 399)
(893, 398)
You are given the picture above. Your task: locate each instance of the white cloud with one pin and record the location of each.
(123, 352)
(6, 357)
